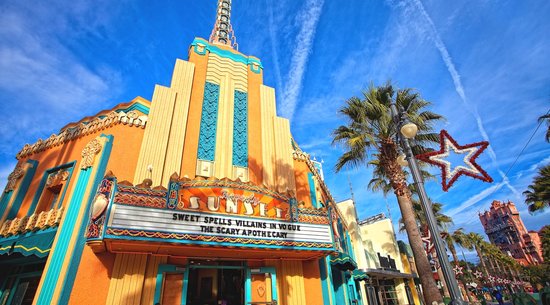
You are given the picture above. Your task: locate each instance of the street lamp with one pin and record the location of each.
(408, 131)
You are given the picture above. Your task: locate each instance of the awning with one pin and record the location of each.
(343, 261)
(32, 243)
(381, 273)
(359, 275)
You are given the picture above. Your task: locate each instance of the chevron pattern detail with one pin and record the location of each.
(240, 129)
(209, 120)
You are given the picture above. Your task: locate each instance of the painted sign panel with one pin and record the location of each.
(193, 223)
(232, 201)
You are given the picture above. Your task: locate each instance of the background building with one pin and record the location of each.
(390, 276)
(504, 227)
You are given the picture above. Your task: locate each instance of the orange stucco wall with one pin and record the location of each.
(302, 184)
(92, 280)
(122, 162)
(191, 147)
(312, 282)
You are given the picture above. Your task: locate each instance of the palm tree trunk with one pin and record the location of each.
(430, 290)
(388, 159)
(481, 261)
(453, 252)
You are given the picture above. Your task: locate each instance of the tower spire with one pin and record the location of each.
(222, 33)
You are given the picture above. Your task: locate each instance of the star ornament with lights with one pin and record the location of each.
(449, 173)
(458, 270)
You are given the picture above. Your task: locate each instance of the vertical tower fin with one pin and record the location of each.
(222, 33)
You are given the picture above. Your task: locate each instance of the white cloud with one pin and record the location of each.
(440, 45)
(457, 212)
(42, 69)
(308, 20)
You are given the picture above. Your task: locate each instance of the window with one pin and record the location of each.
(52, 188)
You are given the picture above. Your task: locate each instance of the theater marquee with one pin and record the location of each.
(218, 212)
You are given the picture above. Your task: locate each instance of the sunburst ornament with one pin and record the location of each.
(478, 274)
(450, 174)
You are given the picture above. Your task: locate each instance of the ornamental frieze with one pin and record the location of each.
(131, 119)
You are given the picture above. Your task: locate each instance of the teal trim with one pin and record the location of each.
(138, 107)
(225, 53)
(32, 243)
(4, 200)
(248, 287)
(338, 283)
(81, 241)
(70, 167)
(312, 192)
(158, 284)
(57, 257)
(185, 286)
(21, 191)
(218, 267)
(324, 281)
(240, 129)
(329, 271)
(209, 121)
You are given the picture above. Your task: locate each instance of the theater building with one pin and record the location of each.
(199, 196)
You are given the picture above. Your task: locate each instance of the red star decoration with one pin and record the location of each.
(449, 177)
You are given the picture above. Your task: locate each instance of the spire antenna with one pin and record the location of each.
(222, 33)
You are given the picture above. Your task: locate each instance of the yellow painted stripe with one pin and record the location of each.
(267, 98)
(182, 82)
(115, 275)
(224, 130)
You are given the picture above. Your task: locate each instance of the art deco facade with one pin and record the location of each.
(504, 227)
(199, 196)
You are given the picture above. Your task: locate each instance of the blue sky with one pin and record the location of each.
(483, 64)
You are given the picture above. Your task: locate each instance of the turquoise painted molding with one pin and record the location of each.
(185, 286)
(21, 191)
(331, 281)
(312, 192)
(137, 106)
(81, 241)
(67, 229)
(249, 61)
(209, 121)
(57, 257)
(69, 166)
(248, 286)
(4, 201)
(240, 129)
(324, 281)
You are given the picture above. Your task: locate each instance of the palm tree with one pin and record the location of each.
(442, 220)
(457, 238)
(371, 133)
(475, 241)
(546, 118)
(538, 193)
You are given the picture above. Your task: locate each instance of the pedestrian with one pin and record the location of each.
(498, 296)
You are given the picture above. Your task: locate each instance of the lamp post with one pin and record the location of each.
(408, 131)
